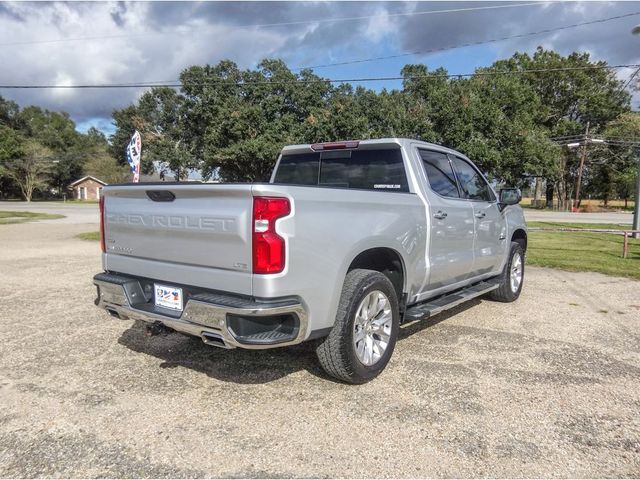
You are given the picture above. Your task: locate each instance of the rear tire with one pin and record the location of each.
(512, 277)
(365, 331)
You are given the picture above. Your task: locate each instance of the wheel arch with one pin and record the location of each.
(386, 261)
(520, 236)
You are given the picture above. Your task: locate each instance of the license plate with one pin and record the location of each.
(168, 297)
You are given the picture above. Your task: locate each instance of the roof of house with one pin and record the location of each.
(87, 177)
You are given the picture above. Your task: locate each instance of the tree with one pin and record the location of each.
(613, 168)
(492, 119)
(30, 171)
(577, 92)
(159, 117)
(103, 166)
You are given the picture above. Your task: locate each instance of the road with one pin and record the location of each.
(600, 217)
(78, 213)
(546, 387)
(75, 212)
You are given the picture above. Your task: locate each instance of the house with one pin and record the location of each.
(87, 188)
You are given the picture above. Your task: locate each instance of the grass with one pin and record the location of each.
(583, 252)
(22, 217)
(73, 200)
(601, 226)
(91, 236)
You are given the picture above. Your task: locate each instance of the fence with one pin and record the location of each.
(626, 233)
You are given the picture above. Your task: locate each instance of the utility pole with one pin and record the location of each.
(583, 157)
(636, 207)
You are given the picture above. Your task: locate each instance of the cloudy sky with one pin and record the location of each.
(63, 43)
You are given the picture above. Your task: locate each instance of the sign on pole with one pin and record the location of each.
(134, 151)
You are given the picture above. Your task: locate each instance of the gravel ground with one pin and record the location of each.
(546, 387)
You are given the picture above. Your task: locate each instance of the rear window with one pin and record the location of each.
(357, 169)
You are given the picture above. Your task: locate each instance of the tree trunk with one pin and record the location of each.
(549, 194)
(537, 196)
(562, 194)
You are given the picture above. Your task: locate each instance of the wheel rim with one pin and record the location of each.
(516, 272)
(372, 328)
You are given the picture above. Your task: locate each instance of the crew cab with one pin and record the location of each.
(346, 242)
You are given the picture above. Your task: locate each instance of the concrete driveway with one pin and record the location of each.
(546, 387)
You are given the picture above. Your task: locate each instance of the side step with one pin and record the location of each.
(445, 302)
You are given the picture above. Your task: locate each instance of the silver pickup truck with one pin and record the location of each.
(345, 243)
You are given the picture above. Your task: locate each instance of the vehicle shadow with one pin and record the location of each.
(236, 365)
(409, 329)
(246, 366)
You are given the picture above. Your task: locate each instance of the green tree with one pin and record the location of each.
(570, 96)
(159, 116)
(492, 119)
(103, 166)
(612, 169)
(239, 120)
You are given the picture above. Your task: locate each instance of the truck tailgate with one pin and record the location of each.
(181, 233)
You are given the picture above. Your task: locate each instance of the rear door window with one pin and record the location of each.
(381, 170)
(440, 173)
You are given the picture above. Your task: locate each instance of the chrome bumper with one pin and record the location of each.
(204, 315)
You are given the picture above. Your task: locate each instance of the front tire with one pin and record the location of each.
(365, 331)
(512, 278)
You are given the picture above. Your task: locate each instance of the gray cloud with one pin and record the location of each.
(165, 37)
(611, 41)
(8, 12)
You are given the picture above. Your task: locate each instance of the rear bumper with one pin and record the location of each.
(222, 320)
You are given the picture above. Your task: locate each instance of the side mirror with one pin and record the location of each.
(509, 196)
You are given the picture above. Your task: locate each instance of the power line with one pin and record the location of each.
(470, 44)
(599, 140)
(283, 24)
(630, 79)
(177, 84)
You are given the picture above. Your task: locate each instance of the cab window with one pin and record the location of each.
(439, 173)
(472, 184)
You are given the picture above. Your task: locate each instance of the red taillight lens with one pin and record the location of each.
(268, 246)
(102, 242)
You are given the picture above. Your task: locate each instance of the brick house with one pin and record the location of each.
(87, 188)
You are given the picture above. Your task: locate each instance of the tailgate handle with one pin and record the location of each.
(161, 195)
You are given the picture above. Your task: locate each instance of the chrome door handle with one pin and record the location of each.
(480, 215)
(440, 215)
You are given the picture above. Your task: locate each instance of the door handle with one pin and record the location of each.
(440, 215)
(480, 215)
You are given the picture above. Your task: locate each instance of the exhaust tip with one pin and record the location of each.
(112, 312)
(213, 339)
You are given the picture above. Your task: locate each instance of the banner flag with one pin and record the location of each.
(134, 151)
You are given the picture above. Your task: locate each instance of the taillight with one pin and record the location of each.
(268, 246)
(102, 242)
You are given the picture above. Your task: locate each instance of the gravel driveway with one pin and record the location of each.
(546, 387)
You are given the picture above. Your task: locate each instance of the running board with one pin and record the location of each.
(445, 302)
